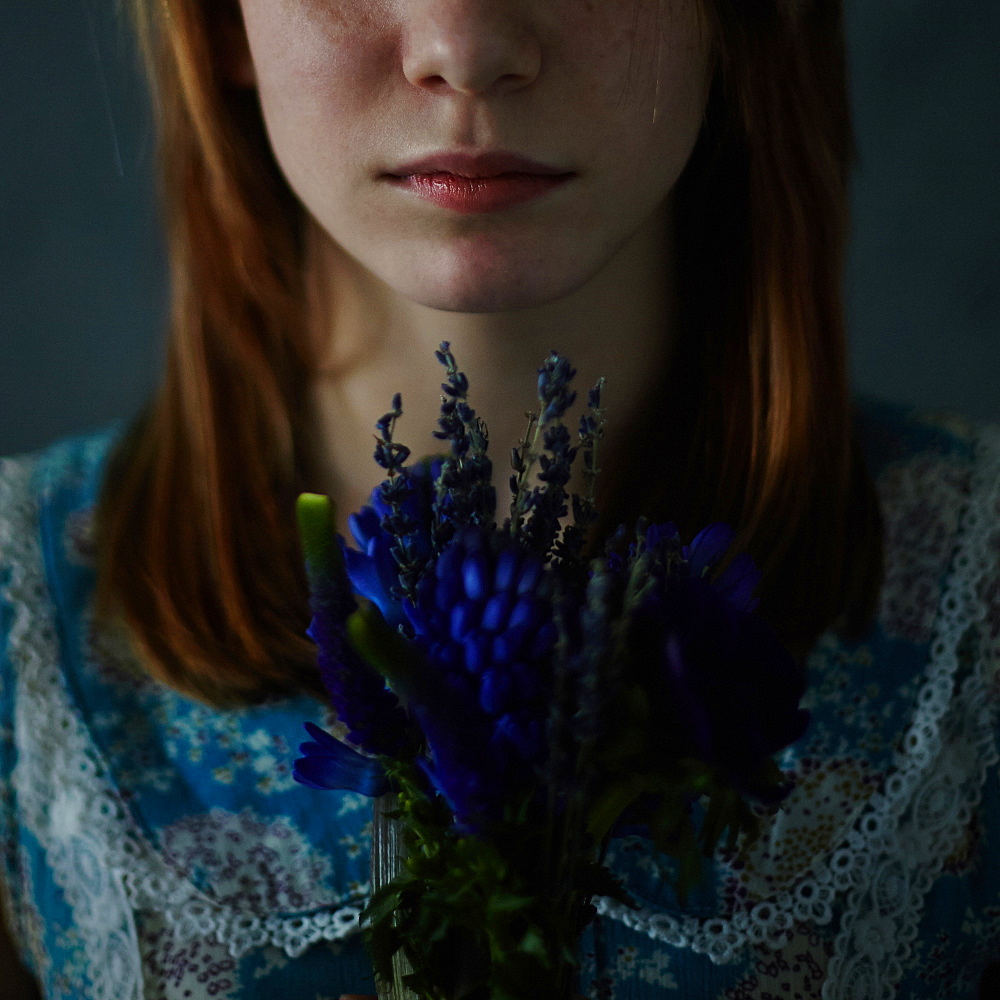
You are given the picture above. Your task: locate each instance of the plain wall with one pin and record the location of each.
(82, 270)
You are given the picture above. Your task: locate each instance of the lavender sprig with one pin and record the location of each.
(554, 393)
(591, 669)
(591, 431)
(545, 505)
(569, 547)
(522, 461)
(464, 493)
(394, 491)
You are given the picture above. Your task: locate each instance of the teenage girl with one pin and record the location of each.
(657, 189)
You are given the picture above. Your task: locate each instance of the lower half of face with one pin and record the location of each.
(609, 92)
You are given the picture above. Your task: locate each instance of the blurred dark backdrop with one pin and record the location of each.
(82, 270)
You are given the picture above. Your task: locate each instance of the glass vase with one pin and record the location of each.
(388, 852)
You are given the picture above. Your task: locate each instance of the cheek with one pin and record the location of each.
(322, 67)
(629, 57)
(647, 89)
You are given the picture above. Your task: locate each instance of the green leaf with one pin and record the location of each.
(381, 947)
(505, 902)
(612, 803)
(386, 650)
(533, 943)
(383, 902)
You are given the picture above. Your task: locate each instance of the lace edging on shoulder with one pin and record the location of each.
(101, 860)
(16, 508)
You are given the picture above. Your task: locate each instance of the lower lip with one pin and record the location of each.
(479, 194)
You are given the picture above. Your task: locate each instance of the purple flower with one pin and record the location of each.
(740, 578)
(371, 712)
(374, 718)
(483, 619)
(372, 568)
(327, 763)
(554, 393)
(464, 494)
(724, 686)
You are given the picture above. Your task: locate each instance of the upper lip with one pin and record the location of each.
(485, 164)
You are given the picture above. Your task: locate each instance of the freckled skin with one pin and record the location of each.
(612, 89)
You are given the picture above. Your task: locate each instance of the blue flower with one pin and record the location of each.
(372, 568)
(374, 718)
(327, 763)
(371, 712)
(741, 576)
(483, 619)
(724, 686)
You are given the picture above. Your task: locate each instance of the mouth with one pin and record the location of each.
(487, 164)
(468, 195)
(484, 181)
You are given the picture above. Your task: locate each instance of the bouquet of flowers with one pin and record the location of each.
(516, 703)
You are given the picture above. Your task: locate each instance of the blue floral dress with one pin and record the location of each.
(153, 847)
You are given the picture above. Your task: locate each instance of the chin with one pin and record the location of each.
(480, 299)
(484, 286)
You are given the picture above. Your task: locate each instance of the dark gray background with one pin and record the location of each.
(82, 272)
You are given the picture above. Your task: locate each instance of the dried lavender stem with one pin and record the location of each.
(529, 455)
(590, 469)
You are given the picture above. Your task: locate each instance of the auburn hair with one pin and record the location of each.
(752, 423)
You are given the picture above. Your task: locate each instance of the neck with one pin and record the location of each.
(619, 324)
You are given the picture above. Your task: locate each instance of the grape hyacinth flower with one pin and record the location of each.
(484, 620)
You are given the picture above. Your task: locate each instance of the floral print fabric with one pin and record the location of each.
(154, 847)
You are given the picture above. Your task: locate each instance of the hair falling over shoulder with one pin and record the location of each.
(196, 529)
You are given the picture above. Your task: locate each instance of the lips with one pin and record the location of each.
(468, 183)
(468, 195)
(484, 164)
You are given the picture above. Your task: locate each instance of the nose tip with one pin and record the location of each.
(471, 49)
(470, 87)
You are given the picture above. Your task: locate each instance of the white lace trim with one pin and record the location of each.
(99, 857)
(899, 844)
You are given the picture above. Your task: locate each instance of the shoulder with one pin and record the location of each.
(70, 465)
(44, 499)
(891, 433)
(937, 474)
(28, 483)
(41, 489)
(20, 584)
